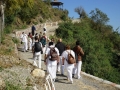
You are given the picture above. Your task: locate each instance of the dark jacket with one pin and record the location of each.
(79, 52)
(61, 47)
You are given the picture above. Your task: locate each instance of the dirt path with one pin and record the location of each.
(84, 83)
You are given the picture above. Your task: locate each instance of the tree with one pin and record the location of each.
(99, 17)
(81, 12)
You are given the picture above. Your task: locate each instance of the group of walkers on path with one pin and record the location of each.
(55, 54)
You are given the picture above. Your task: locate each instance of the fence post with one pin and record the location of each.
(2, 6)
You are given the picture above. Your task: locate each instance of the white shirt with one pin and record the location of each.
(24, 38)
(65, 54)
(48, 53)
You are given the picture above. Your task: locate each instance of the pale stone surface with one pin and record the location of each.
(38, 73)
(2, 84)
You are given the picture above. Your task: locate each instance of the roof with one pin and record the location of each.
(56, 3)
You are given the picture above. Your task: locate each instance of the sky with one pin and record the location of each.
(110, 7)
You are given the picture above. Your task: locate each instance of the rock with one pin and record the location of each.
(38, 73)
(2, 84)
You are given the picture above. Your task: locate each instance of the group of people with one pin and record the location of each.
(28, 40)
(55, 54)
(61, 63)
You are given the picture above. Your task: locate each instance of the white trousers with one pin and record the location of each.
(77, 69)
(52, 70)
(25, 46)
(60, 67)
(44, 49)
(30, 45)
(37, 56)
(69, 71)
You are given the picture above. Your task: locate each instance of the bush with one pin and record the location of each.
(10, 86)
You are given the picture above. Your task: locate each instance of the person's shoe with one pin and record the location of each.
(53, 80)
(58, 71)
(67, 79)
(72, 75)
(78, 77)
(62, 74)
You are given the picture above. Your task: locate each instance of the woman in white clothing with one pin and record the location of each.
(25, 41)
(51, 64)
(69, 67)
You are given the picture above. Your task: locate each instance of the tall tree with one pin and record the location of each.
(99, 17)
(81, 12)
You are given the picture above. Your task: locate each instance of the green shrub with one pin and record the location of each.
(8, 30)
(15, 40)
(10, 86)
(1, 69)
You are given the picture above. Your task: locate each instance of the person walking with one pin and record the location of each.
(68, 66)
(51, 61)
(33, 30)
(37, 50)
(61, 47)
(44, 40)
(40, 35)
(25, 41)
(29, 41)
(78, 55)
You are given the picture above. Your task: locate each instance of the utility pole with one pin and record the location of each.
(1, 20)
(0, 30)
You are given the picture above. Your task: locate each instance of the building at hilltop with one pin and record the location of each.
(57, 3)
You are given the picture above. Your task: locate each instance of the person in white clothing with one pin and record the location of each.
(25, 41)
(29, 42)
(21, 36)
(50, 63)
(37, 50)
(69, 67)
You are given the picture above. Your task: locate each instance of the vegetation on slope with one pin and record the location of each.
(19, 14)
(99, 42)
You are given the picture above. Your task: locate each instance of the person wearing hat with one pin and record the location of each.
(50, 63)
(78, 56)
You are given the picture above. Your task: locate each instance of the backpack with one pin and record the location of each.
(37, 47)
(71, 59)
(43, 40)
(53, 54)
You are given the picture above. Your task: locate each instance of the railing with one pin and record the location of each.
(49, 85)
